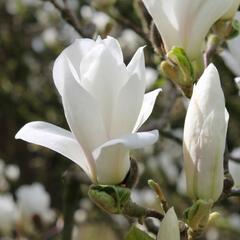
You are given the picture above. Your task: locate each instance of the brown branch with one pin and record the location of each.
(70, 17)
(128, 24)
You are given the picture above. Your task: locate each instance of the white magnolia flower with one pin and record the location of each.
(104, 105)
(8, 213)
(231, 56)
(169, 229)
(204, 137)
(34, 200)
(186, 23)
(233, 9)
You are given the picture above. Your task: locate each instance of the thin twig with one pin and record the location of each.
(69, 16)
(128, 24)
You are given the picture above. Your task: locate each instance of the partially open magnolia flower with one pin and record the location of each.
(204, 138)
(186, 23)
(104, 104)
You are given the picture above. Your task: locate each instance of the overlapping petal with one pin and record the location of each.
(147, 107)
(57, 139)
(115, 155)
(103, 77)
(71, 56)
(83, 116)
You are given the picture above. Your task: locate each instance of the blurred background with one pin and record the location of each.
(32, 34)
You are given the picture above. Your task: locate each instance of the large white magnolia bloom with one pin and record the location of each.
(186, 23)
(169, 228)
(204, 137)
(104, 104)
(231, 56)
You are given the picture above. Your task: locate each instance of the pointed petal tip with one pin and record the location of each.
(23, 130)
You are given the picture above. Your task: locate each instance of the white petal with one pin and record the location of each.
(209, 90)
(208, 13)
(112, 158)
(57, 139)
(113, 45)
(83, 116)
(137, 65)
(147, 107)
(73, 54)
(210, 157)
(164, 17)
(186, 23)
(169, 228)
(103, 77)
(127, 108)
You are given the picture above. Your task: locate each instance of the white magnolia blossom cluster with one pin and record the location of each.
(105, 104)
(31, 200)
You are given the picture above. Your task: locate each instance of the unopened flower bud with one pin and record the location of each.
(204, 138)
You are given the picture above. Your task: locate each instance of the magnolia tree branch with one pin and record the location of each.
(126, 23)
(70, 17)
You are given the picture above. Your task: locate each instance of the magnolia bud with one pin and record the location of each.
(169, 228)
(179, 69)
(204, 138)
